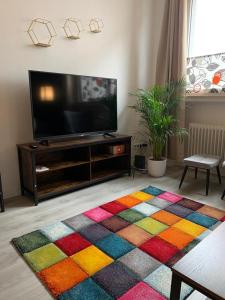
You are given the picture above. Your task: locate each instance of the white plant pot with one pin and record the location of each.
(156, 168)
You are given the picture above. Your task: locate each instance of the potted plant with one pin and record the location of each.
(158, 108)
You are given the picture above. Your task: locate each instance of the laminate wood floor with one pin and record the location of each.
(18, 282)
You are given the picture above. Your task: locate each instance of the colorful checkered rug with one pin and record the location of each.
(121, 250)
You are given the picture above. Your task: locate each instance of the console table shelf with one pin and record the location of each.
(107, 174)
(58, 187)
(96, 158)
(71, 165)
(62, 165)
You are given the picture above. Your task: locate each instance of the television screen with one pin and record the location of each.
(64, 105)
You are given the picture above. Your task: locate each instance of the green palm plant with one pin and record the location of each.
(158, 108)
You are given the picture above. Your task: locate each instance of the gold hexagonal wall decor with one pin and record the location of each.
(41, 32)
(96, 25)
(73, 28)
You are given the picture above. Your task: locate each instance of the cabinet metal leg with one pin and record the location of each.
(35, 200)
(2, 204)
(223, 195)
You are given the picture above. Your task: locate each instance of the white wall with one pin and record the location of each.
(206, 110)
(124, 50)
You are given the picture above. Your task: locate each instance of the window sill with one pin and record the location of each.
(210, 98)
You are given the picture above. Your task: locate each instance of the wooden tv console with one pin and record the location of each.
(72, 164)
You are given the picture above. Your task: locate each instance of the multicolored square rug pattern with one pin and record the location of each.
(120, 250)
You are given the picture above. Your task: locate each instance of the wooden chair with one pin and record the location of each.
(206, 162)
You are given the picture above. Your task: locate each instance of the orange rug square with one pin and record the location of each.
(128, 201)
(212, 212)
(62, 276)
(142, 196)
(134, 235)
(176, 237)
(165, 217)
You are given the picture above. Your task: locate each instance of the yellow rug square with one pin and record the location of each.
(189, 227)
(91, 259)
(142, 196)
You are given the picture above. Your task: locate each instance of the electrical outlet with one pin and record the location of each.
(143, 145)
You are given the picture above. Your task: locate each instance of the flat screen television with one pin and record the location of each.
(66, 105)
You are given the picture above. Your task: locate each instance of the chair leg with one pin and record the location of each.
(207, 181)
(183, 175)
(218, 173)
(223, 195)
(196, 173)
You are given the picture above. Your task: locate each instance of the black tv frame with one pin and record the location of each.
(68, 136)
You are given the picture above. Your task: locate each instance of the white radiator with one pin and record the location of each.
(206, 139)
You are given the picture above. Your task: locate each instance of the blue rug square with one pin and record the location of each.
(114, 246)
(152, 191)
(116, 279)
(202, 220)
(86, 290)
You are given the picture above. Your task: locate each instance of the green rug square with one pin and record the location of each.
(31, 241)
(150, 225)
(44, 257)
(131, 215)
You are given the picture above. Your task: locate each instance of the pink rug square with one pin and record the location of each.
(141, 291)
(170, 197)
(98, 214)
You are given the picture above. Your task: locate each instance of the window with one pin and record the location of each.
(207, 27)
(206, 62)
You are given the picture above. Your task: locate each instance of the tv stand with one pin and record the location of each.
(107, 134)
(66, 166)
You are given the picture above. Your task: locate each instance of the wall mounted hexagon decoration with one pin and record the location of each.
(73, 28)
(96, 25)
(41, 32)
